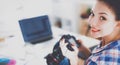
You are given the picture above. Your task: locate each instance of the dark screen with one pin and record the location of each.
(35, 29)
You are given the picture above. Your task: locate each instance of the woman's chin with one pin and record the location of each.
(95, 35)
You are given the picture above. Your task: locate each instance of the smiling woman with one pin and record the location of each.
(104, 22)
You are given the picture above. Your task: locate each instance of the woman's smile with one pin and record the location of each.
(95, 30)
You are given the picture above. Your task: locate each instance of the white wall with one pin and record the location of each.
(13, 10)
(66, 11)
(31, 8)
(8, 15)
(69, 13)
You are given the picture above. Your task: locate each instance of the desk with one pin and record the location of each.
(29, 54)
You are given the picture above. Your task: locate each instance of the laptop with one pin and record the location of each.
(36, 29)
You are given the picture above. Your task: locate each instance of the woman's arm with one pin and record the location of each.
(84, 52)
(73, 55)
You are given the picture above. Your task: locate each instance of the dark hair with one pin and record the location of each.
(114, 6)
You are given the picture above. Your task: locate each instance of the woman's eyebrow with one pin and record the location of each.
(99, 12)
(103, 13)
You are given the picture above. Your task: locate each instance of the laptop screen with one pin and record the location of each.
(36, 29)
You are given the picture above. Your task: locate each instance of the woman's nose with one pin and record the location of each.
(93, 22)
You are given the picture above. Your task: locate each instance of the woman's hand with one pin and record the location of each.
(86, 52)
(72, 55)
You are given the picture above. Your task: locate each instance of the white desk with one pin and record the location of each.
(34, 54)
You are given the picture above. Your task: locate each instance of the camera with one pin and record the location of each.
(56, 57)
(71, 40)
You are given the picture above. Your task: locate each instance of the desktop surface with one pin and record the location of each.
(30, 54)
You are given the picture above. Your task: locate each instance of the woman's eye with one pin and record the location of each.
(102, 18)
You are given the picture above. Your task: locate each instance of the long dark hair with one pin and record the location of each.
(114, 5)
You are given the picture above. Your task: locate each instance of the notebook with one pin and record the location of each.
(36, 29)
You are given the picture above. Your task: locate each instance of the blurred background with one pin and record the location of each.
(70, 15)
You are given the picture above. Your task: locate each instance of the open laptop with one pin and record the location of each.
(36, 29)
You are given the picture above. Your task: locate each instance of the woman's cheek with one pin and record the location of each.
(108, 28)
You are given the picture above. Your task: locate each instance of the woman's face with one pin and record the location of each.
(102, 20)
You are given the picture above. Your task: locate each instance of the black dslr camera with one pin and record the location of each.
(71, 40)
(56, 56)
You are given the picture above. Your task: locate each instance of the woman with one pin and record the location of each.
(105, 24)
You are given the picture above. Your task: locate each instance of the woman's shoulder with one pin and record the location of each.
(117, 47)
(113, 48)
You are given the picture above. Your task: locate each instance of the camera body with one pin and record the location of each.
(71, 40)
(56, 57)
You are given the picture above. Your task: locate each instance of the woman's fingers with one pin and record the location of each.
(79, 42)
(75, 49)
(63, 46)
(62, 43)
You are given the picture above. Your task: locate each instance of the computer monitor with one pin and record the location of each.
(36, 29)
